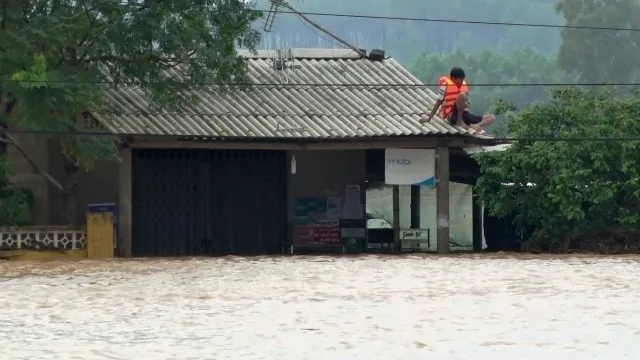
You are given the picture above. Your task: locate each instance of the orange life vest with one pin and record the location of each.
(451, 95)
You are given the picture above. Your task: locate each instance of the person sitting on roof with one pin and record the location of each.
(453, 95)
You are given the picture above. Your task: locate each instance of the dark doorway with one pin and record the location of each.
(208, 202)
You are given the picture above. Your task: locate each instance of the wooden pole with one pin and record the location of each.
(396, 217)
(442, 199)
(415, 206)
(477, 224)
(124, 204)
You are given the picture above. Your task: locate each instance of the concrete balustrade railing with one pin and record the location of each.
(93, 241)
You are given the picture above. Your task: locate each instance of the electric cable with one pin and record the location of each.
(452, 21)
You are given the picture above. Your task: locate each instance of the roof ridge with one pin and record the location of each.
(303, 53)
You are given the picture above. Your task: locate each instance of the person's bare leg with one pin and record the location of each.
(487, 120)
(461, 105)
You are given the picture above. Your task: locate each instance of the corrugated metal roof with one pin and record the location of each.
(285, 111)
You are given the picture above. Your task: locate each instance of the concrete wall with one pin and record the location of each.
(25, 176)
(325, 173)
(97, 185)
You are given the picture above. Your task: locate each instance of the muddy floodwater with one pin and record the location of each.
(368, 307)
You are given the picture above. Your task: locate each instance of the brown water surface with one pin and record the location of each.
(367, 307)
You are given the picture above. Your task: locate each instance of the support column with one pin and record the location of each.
(442, 199)
(124, 203)
(415, 206)
(477, 224)
(396, 217)
(99, 236)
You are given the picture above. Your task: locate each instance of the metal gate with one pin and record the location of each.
(208, 202)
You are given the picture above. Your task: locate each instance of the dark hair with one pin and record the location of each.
(456, 73)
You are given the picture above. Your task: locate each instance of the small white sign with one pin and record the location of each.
(414, 234)
(353, 207)
(334, 207)
(415, 239)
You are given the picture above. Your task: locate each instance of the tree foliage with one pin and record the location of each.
(601, 55)
(86, 43)
(567, 188)
(58, 56)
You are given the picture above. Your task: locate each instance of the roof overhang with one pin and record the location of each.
(370, 143)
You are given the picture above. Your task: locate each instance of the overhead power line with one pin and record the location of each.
(477, 22)
(297, 85)
(342, 43)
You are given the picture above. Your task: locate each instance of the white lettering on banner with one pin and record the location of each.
(410, 166)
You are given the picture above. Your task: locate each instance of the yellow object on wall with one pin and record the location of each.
(99, 236)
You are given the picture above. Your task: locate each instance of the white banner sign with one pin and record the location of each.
(410, 167)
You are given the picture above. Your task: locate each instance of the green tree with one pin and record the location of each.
(566, 189)
(523, 66)
(57, 57)
(601, 55)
